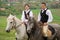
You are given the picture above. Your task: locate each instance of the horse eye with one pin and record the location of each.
(10, 22)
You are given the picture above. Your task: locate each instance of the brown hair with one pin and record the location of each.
(27, 5)
(43, 3)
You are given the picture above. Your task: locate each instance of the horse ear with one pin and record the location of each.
(13, 17)
(10, 15)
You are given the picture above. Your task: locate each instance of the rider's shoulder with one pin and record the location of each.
(49, 10)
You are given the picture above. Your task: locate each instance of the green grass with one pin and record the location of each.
(3, 34)
(11, 35)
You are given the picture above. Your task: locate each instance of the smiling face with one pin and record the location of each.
(26, 7)
(43, 5)
(9, 23)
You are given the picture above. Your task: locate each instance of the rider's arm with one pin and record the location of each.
(22, 18)
(31, 14)
(50, 16)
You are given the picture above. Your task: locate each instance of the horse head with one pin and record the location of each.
(10, 23)
(30, 24)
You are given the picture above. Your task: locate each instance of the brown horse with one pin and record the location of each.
(36, 31)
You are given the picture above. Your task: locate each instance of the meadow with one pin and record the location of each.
(11, 35)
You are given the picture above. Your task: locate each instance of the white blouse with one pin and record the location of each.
(23, 16)
(48, 12)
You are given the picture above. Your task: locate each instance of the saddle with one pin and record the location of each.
(51, 33)
(51, 29)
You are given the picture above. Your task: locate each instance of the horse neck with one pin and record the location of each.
(35, 23)
(18, 21)
(21, 28)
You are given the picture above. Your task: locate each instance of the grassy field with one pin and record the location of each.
(11, 35)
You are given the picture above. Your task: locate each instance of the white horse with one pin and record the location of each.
(13, 22)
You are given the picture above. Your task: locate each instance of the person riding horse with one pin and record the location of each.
(44, 17)
(25, 14)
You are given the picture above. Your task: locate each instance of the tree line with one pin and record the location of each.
(16, 7)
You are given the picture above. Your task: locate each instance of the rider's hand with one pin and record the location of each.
(45, 24)
(26, 20)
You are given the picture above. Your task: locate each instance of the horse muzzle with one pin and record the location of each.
(7, 31)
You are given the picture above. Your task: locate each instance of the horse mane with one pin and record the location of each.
(35, 23)
(17, 19)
